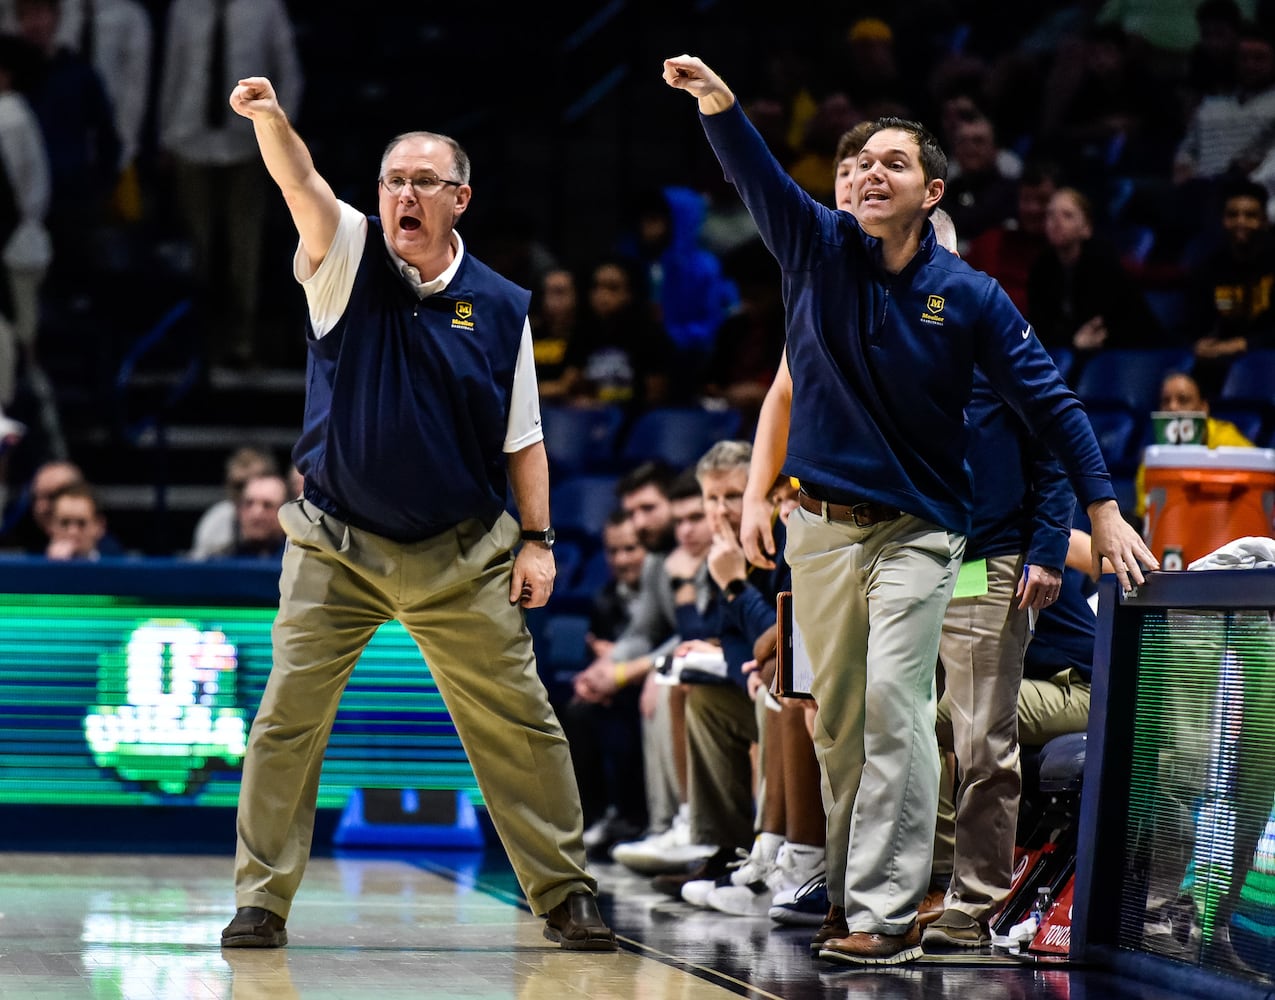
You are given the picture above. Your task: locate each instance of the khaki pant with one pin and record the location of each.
(1046, 709)
(721, 727)
(451, 593)
(984, 639)
(1052, 708)
(663, 796)
(869, 603)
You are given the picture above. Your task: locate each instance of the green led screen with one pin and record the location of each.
(1201, 825)
(108, 700)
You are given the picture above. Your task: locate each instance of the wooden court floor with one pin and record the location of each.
(126, 926)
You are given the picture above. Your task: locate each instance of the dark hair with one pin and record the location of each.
(684, 486)
(78, 489)
(617, 517)
(1242, 187)
(852, 140)
(653, 473)
(1041, 171)
(933, 159)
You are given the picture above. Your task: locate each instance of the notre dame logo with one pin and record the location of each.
(466, 309)
(934, 303)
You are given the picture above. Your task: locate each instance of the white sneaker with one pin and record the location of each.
(697, 890)
(751, 885)
(754, 895)
(751, 866)
(799, 864)
(663, 853)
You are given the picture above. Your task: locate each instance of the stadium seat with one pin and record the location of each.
(1249, 418)
(1169, 305)
(579, 507)
(581, 439)
(1064, 360)
(563, 651)
(592, 575)
(1129, 379)
(1250, 379)
(568, 556)
(677, 435)
(1118, 433)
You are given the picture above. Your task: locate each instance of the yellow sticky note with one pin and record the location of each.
(971, 581)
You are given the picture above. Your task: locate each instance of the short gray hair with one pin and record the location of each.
(725, 456)
(460, 159)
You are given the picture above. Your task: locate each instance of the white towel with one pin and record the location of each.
(1253, 552)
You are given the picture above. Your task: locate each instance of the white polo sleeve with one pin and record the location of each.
(327, 290)
(524, 427)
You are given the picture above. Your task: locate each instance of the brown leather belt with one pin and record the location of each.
(861, 514)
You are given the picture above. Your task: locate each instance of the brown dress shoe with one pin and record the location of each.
(865, 948)
(833, 926)
(576, 924)
(254, 927)
(931, 908)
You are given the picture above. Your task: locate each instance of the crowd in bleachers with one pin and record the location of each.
(1109, 164)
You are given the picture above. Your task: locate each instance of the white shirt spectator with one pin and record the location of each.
(259, 42)
(27, 165)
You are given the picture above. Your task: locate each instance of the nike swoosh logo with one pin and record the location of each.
(1027, 332)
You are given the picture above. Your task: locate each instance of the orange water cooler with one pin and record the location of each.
(1200, 498)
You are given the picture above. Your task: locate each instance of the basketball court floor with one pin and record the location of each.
(126, 926)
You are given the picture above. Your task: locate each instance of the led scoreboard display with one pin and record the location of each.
(135, 683)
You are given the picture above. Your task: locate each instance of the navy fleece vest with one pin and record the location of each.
(407, 400)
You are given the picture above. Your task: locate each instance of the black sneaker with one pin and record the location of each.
(713, 867)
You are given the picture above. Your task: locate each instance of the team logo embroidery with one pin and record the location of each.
(933, 310)
(462, 319)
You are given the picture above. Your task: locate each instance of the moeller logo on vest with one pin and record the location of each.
(933, 307)
(464, 310)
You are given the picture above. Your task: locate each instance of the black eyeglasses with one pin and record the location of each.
(425, 184)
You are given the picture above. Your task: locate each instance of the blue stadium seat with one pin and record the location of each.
(677, 435)
(1249, 418)
(581, 439)
(568, 556)
(592, 574)
(563, 651)
(1064, 360)
(1250, 379)
(1169, 306)
(1129, 379)
(1118, 433)
(579, 507)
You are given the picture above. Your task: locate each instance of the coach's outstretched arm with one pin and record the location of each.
(311, 201)
(691, 74)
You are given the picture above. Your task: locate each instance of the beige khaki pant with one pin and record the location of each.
(663, 796)
(869, 603)
(984, 638)
(721, 727)
(451, 593)
(1052, 708)
(1046, 709)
